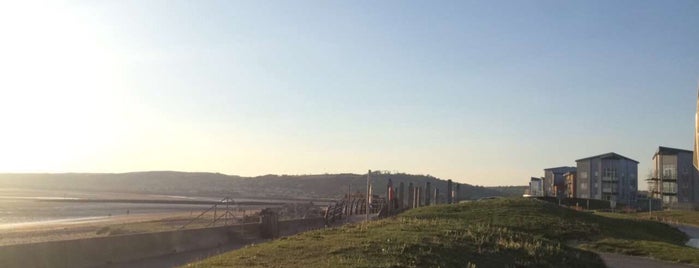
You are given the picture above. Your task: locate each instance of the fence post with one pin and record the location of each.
(449, 192)
(401, 196)
(214, 222)
(368, 192)
(389, 196)
(436, 195)
(428, 192)
(269, 227)
(418, 196)
(457, 192)
(411, 195)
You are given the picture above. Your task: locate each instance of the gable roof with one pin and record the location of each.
(669, 151)
(612, 155)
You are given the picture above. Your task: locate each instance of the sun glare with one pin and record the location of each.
(55, 92)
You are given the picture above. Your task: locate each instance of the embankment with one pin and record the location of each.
(123, 248)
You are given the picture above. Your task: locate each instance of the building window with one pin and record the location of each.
(610, 172)
(669, 171)
(669, 187)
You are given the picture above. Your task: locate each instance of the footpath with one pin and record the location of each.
(625, 261)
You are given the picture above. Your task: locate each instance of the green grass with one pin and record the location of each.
(551, 221)
(689, 217)
(492, 233)
(657, 250)
(407, 242)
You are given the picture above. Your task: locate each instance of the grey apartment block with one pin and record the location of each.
(608, 176)
(674, 178)
(554, 181)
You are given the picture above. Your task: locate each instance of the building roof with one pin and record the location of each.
(669, 151)
(536, 179)
(607, 155)
(563, 168)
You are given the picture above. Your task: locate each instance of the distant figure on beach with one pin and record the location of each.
(127, 212)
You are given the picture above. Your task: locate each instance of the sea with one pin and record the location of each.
(22, 207)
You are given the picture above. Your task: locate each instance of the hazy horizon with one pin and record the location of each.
(394, 172)
(480, 92)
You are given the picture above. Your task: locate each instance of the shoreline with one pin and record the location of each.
(53, 222)
(102, 226)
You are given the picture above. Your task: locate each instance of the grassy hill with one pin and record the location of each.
(510, 191)
(490, 233)
(221, 185)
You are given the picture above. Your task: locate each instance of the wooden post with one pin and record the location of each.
(436, 195)
(214, 223)
(349, 203)
(389, 196)
(225, 217)
(457, 192)
(269, 227)
(368, 192)
(415, 197)
(418, 196)
(449, 192)
(401, 197)
(428, 192)
(411, 195)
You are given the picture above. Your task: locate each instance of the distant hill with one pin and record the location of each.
(220, 185)
(510, 191)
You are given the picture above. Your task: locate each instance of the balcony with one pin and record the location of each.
(610, 179)
(669, 178)
(610, 190)
(663, 178)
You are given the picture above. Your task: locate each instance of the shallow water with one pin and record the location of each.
(21, 207)
(693, 242)
(49, 222)
(29, 211)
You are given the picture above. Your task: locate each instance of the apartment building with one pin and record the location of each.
(674, 179)
(609, 176)
(554, 181)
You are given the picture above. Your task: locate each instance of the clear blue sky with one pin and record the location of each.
(481, 92)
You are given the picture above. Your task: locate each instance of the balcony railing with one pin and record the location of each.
(610, 191)
(610, 179)
(669, 178)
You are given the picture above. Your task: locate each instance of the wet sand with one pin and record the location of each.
(77, 228)
(29, 215)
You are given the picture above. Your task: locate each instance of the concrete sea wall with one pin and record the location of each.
(122, 248)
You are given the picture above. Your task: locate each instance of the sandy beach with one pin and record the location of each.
(29, 215)
(64, 229)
